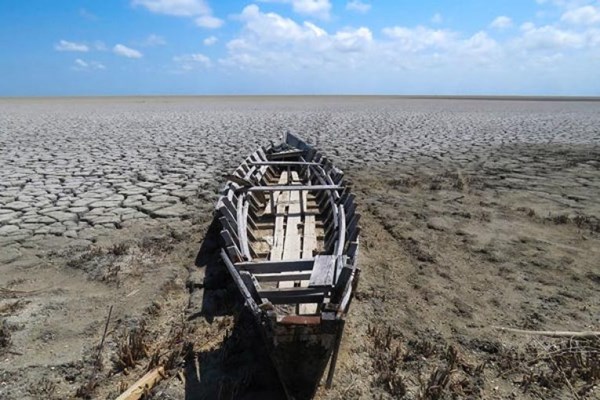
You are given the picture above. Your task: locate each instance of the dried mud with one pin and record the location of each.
(475, 214)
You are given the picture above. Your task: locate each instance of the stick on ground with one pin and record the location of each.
(557, 334)
(143, 385)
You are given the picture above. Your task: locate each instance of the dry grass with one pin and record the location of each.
(5, 336)
(131, 347)
(563, 364)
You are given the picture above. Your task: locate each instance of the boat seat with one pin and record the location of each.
(323, 271)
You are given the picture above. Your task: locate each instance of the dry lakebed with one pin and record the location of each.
(477, 213)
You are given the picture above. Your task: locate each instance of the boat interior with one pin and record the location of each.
(290, 227)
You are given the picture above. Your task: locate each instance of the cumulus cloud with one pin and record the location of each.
(313, 8)
(154, 40)
(549, 38)
(125, 51)
(501, 22)
(587, 15)
(197, 9)
(437, 18)
(180, 8)
(269, 39)
(208, 21)
(65, 45)
(353, 40)
(358, 6)
(81, 65)
(270, 44)
(209, 41)
(189, 62)
(420, 38)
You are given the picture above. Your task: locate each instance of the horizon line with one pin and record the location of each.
(406, 96)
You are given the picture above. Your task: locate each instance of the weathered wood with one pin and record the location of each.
(278, 232)
(556, 334)
(249, 301)
(323, 270)
(292, 245)
(278, 276)
(242, 207)
(316, 298)
(143, 385)
(265, 267)
(334, 356)
(283, 163)
(285, 154)
(290, 188)
(341, 284)
(232, 233)
(248, 280)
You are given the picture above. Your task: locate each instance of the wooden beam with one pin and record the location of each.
(278, 276)
(316, 298)
(283, 163)
(282, 188)
(322, 273)
(143, 385)
(266, 267)
(278, 231)
(284, 154)
(249, 301)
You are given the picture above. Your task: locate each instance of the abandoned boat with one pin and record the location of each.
(290, 234)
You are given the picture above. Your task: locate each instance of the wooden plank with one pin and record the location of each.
(316, 298)
(250, 285)
(289, 292)
(144, 385)
(322, 273)
(278, 276)
(292, 244)
(242, 230)
(278, 233)
(283, 163)
(285, 154)
(266, 267)
(281, 188)
(249, 301)
(309, 243)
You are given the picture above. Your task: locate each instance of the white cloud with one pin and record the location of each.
(313, 8)
(353, 40)
(209, 41)
(285, 49)
(125, 51)
(587, 15)
(437, 18)
(180, 8)
(81, 65)
(358, 6)
(501, 22)
(64, 45)
(188, 62)
(549, 38)
(154, 40)
(420, 38)
(273, 28)
(208, 21)
(197, 9)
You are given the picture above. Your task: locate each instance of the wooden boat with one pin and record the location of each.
(290, 234)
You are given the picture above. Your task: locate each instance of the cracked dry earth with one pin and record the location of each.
(476, 213)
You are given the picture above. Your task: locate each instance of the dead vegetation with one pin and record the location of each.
(431, 369)
(553, 365)
(424, 369)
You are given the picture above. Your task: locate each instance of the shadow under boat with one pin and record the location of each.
(241, 367)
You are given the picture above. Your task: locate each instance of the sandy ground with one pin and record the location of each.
(476, 214)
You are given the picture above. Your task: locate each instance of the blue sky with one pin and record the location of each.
(119, 47)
